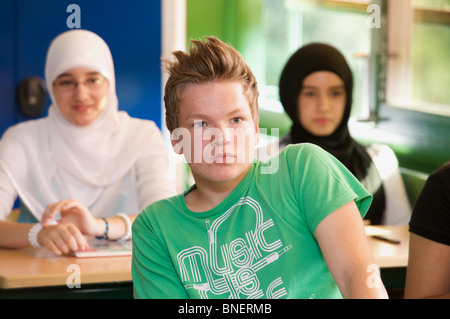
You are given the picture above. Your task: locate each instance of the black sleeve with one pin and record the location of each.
(431, 213)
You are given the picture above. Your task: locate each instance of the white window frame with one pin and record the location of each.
(398, 68)
(399, 73)
(173, 37)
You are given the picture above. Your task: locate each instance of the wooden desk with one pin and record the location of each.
(21, 270)
(388, 255)
(392, 258)
(30, 272)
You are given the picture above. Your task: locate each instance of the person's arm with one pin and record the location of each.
(398, 209)
(152, 171)
(74, 212)
(59, 239)
(428, 272)
(154, 275)
(14, 235)
(344, 245)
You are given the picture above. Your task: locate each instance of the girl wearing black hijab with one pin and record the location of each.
(316, 92)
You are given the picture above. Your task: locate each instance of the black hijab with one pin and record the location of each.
(322, 57)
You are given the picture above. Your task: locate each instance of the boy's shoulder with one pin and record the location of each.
(303, 147)
(293, 156)
(166, 205)
(277, 148)
(294, 152)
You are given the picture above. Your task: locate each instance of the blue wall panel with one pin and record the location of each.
(7, 64)
(132, 30)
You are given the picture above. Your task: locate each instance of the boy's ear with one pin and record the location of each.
(175, 140)
(176, 146)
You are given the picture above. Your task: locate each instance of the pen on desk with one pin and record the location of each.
(391, 241)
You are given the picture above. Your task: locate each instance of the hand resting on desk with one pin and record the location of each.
(74, 212)
(62, 238)
(67, 235)
(75, 223)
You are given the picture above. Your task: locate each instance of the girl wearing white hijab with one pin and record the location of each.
(87, 164)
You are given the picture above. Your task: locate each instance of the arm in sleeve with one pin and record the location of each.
(152, 172)
(322, 184)
(154, 276)
(398, 208)
(427, 274)
(430, 217)
(8, 194)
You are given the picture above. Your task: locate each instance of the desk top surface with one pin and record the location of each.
(37, 267)
(389, 255)
(32, 267)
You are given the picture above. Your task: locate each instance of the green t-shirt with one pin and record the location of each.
(258, 243)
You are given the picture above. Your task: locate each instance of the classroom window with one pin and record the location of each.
(406, 98)
(418, 42)
(418, 37)
(292, 23)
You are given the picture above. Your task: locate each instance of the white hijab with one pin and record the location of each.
(52, 159)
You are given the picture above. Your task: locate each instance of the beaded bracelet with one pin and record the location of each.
(127, 221)
(32, 235)
(105, 235)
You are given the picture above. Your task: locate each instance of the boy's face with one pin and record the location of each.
(217, 132)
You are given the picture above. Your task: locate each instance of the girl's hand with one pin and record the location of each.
(74, 212)
(62, 238)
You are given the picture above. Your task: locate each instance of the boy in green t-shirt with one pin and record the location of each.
(290, 227)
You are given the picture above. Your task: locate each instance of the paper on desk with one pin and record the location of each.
(373, 230)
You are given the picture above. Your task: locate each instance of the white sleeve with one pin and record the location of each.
(8, 194)
(154, 180)
(398, 208)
